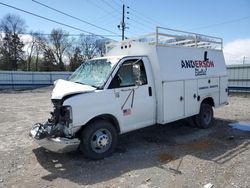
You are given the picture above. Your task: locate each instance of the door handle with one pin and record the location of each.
(126, 89)
(181, 98)
(150, 91)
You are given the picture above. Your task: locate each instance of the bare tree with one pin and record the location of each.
(88, 46)
(30, 49)
(100, 47)
(92, 46)
(60, 43)
(36, 47)
(40, 45)
(12, 23)
(12, 46)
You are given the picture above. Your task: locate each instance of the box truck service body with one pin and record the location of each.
(139, 82)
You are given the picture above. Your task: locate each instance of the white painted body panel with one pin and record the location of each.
(173, 105)
(144, 106)
(64, 88)
(170, 78)
(223, 87)
(169, 82)
(191, 93)
(89, 105)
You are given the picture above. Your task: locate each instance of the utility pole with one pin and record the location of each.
(123, 23)
(122, 26)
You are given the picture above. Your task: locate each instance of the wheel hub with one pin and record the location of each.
(102, 141)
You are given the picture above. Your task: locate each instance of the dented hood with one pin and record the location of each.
(63, 88)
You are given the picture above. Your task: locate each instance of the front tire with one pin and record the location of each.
(205, 118)
(98, 140)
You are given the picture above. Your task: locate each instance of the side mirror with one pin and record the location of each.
(137, 74)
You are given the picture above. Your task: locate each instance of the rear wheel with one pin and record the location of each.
(98, 140)
(205, 118)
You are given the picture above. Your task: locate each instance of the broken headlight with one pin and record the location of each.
(66, 116)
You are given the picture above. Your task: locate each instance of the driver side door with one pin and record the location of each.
(136, 104)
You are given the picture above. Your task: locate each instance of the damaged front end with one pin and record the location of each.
(56, 133)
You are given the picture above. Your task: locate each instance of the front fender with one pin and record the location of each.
(86, 106)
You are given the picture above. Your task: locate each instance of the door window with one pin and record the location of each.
(124, 77)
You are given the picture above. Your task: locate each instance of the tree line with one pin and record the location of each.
(35, 51)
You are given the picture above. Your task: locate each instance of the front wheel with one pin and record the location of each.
(205, 118)
(98, 140)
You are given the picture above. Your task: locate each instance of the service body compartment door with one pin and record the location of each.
(173, 100)
(223, 90)
(191, 103)
(208, 85)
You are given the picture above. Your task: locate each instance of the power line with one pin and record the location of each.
(101, 8)
(114, 13)
(139, 17)
(222, 23)
(143, 20)
(103, 17)
(117, 4)
(48, 19)
(108, 4)
(142, 24)
(112, 24)
(144, 17)
(48, 34)
(141, 29)
(66, 14)
(106, 20)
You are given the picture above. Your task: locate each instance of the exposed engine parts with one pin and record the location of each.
(41, 131)
(61, 119)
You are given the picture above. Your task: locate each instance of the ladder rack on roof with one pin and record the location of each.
(175, 38)
(171, 37)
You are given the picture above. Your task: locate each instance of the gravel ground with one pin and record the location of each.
(176, 155)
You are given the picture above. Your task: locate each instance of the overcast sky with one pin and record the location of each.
(228, 19)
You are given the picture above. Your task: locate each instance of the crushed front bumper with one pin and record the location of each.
(57, 144)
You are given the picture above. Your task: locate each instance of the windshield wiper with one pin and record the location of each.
(94, 86)
(79, 83)
(87, 85)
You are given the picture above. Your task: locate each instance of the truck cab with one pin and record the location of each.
(138, 83)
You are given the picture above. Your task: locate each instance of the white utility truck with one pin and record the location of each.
(155, 79)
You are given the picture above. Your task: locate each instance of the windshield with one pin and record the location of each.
(94, 72)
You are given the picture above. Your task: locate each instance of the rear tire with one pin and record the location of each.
(98, 140)
(205, 118)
